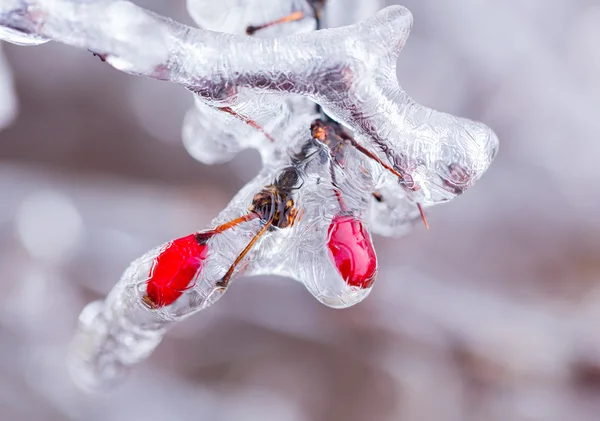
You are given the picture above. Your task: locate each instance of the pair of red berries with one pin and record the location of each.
(175, 268)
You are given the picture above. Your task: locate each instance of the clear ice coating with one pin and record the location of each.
(344, 150)
(20, 38)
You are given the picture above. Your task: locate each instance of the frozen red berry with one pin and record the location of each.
(175, 269)
(352, 252)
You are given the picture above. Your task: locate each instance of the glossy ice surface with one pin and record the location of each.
(260, 92)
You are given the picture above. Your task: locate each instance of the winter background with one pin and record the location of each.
(491, 315)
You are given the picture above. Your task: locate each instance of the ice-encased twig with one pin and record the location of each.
(213, 136)
(125, 328)
(350, 71)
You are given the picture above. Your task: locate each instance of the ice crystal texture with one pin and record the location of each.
(260, 92)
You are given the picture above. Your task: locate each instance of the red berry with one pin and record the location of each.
(351, 250)
(175, 268)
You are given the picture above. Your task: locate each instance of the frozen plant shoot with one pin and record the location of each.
(345, 150)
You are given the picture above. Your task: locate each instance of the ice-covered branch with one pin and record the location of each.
(350, 71)
(307, 214)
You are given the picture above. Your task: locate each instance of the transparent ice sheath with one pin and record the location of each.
(260, 92)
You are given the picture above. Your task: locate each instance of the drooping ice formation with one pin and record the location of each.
(364, 158)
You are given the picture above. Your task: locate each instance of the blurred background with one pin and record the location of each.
(491, 315)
